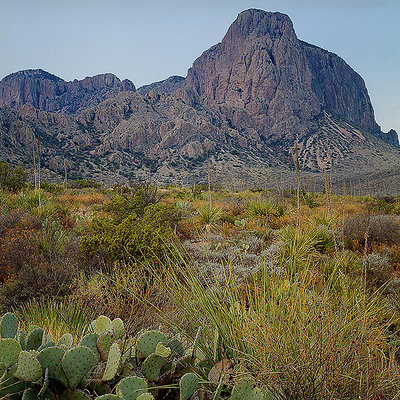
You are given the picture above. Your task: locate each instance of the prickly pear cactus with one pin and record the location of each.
(76, 364)
(131, 388)
(10, 386)
(151, 366)
(246, 390)
(74, 395)
(103, 324)
(90, 340)
(146, 396)
(67, 339)
(29, 368)
(188, 384)
(118, 328)
(50, 358)
(9, 326)
(30, 394)
(22, 339)
(9, 351)
(34, 339)
(114, 357)
(162, 351)
(104, 343)
(147, 342)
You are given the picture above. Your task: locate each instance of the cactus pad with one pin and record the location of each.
(147, 342)
(76, 363)
(74, 395)
(9, 326)
(244, 390)
(162, 351)
(146, 396)
(151, 366)
(176, 346)
(114, 357)
(29, 368)
(10, 386)
(9, 351)
(34, 339)
(118, 328)
(188, 384)
(103, 324)
(104, 343)
(67, 339)
(45, 346)
(21, 339)
(30, 394)
(45, 385)
(50, 358)
(131, 388)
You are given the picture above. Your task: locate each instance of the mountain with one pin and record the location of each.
(241, 108)
(47, 92)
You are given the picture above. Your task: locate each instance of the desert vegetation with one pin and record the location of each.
(253, 294)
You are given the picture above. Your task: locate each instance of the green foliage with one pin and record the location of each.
(134, 238)
(12, 179)
(208, 218)
(53, 188)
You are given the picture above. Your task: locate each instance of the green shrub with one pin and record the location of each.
(134, 237)
(51, 187)
(12, 179)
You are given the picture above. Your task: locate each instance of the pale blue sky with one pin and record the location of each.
(146, 41)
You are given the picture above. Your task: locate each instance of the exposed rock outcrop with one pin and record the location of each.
(48, 92)
(168, 85)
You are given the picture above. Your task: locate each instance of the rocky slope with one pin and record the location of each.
(47, 92)
(242, 105)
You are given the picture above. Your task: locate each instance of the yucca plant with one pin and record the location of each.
(208, 218)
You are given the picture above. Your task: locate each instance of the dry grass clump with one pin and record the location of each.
(305, 340)
(127, 292)
(85, 199)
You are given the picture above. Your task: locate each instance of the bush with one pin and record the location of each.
(133, 237)
(36, 259)
(378, 228)
(12, 179)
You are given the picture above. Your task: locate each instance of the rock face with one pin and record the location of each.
(262, 76)
(258, 76)
(168, 85)
(241, 106)
(47, 92)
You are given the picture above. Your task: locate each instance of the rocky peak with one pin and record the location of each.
(48, 92)
(255, 23)
(259, 75)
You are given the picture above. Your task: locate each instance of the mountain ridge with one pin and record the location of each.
(243, 102)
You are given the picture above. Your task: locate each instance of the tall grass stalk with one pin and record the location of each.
(300, 337)
(56, 316)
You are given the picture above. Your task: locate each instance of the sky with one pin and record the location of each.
(147, 41)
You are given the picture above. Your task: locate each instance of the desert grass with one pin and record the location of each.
(302, 338)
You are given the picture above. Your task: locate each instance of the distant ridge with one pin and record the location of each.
(243, 104)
